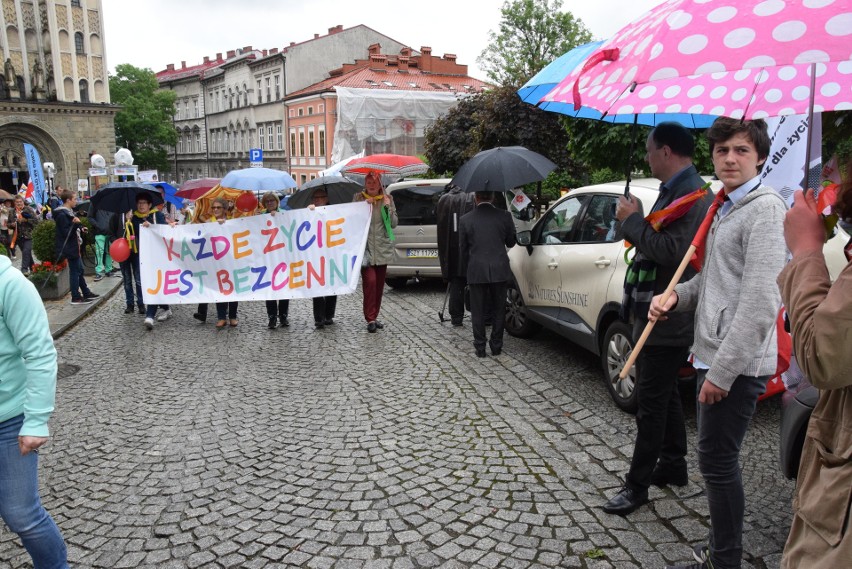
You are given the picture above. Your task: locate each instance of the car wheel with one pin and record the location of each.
(397, 282)
(518, 322)
(616, 348)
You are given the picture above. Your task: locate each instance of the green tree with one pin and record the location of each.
(144, 124)
(532, 34)
(494, 118)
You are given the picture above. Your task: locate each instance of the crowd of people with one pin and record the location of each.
(723, 312)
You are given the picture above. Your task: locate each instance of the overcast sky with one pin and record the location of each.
(154, 33)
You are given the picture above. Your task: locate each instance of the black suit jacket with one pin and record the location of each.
(667, 248)
(484, 235)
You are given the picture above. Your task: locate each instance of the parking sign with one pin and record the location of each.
(256, 158)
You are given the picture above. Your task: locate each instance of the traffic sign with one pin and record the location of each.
(256, 157)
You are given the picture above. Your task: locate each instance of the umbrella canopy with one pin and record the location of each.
(339, 190)
(4, 195)
(545, 80)
(169, 193)
(502, 169)
(258, 180)
(749, 59)
(334, 169)
(194, 189)
(120, 197)
(203, 212)
(395, 164)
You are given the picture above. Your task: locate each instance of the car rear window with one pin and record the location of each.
(417, 205)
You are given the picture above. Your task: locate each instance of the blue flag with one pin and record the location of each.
(36, 177)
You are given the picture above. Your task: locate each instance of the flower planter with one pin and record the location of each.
(56, 291)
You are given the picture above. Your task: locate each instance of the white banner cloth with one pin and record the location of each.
(290, 254)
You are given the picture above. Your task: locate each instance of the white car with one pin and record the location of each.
(569, 277)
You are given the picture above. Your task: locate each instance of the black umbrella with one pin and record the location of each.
(339, 190)
(502, 169)
(120, 197)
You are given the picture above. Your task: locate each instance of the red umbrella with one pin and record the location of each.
(396, 164)
(194, 189)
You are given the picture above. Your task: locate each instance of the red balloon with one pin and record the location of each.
(119, 250)
(246, 203)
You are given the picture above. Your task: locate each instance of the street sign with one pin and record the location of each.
(256, 158)
(97, 172)
(125, 170)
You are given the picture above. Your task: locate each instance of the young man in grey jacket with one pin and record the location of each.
(736, 303)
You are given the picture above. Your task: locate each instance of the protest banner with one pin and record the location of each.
(291, 254)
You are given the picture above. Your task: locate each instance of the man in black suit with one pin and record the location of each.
(451, 207)
(484, 235)
(660, 448)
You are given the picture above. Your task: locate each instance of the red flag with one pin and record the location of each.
(700, 239)
(30, 190)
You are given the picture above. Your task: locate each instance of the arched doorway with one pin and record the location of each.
(13, 162)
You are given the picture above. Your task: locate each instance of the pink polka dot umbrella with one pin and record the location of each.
(737, 58)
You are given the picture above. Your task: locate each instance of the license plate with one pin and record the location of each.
(422, 253)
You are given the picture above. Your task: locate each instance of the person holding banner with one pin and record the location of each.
(23, 221)
(226, 312)
(736, 304)
(379, 250)
(324, 306)
(276, 310)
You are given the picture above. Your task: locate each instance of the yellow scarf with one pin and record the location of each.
(372, 199)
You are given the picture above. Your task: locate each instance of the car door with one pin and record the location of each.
(539, 277)
(586, 264)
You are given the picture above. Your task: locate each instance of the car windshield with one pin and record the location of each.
(417, 205)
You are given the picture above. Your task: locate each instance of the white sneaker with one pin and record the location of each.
(149, 323)
(165, 315)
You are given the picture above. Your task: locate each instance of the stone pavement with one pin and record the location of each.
(189, 447)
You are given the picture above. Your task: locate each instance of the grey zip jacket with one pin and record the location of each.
(735, 297)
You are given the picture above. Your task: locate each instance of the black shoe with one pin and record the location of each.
(457, 323)
(330, 322)
(626, 501)
(273, 323)
(379, 325)
(371, 327)
(319, 324)
(496, 352)
(91, 295)
(200, 317)
(141, 309)
(284, 321)
(665, 475)
(129, 310)
(81, 300)
(701, 553)
(480, 353)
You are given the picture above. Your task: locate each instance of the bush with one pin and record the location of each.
(3, 250)
(44, 241)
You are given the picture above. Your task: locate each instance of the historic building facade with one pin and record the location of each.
(227, 105)
(54, 92)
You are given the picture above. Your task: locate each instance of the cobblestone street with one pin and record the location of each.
(190, 447)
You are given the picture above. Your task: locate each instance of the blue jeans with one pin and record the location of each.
(721, 430)
(79, 288)
(20, 505)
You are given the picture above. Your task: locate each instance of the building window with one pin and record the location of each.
(304, 178)
(259, 93)
(179, 148)
(310, 110)
(311, 147)
(78, 42)
(280, 136)
(301, 112)
(186, 109)
(277, 87)
(322, 143)
(75, 3)
(292, 143)
(227, 142)
(198, 142)
(195, 102)
(260, 132)
(269, 135)
(84, 91)
(268, 89)
(301, 144)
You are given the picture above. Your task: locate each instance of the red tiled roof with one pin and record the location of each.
(169, 75)
(390, 78)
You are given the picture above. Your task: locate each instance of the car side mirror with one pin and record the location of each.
(524, 238)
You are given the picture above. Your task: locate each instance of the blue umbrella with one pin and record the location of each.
(168, 191)
(258, 180)
(549, 77)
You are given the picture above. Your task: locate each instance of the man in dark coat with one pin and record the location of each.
(660, 448)
(69, 239)
(452, 205)
(484, 235)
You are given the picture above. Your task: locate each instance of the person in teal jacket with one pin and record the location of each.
(27, 391)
